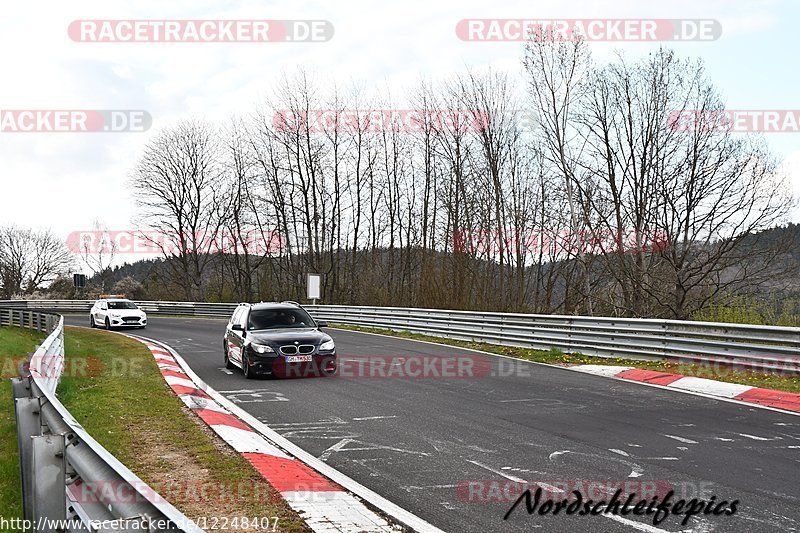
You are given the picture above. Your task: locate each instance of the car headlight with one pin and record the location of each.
(261, 348)
(327, 345)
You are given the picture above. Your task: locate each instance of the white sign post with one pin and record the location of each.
(313, 287)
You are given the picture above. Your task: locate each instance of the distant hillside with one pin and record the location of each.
(415, 277)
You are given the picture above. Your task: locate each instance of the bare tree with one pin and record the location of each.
(557, 77)
(178, 185)
(30, 259)
(98, 253)
(677, 202)
(601, 207)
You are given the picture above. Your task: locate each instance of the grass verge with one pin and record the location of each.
(113, 387)
(788, 383)
(15, 344)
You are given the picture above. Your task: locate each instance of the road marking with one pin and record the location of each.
(334, 420)
(682, 439)
(375, 417)
(321, 434)
(637, 525)
(498, 472)
(252, 396)
(340, 447)
(413, 487)
(335, 448)
(620, 452)
(723, 439)
(556, 454)
(754, 437)
(226, 371)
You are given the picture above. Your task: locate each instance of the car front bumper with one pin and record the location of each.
(321, 364)
(134, 322)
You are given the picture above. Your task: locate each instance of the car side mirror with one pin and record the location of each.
(322, 324)
(237, 327)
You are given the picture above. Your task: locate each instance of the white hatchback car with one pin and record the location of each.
(116, 312)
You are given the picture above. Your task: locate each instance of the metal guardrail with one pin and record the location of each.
(155, 307)
(69, 481)
(767, 348)
(757, 347)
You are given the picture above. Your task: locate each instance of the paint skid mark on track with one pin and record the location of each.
(254, 396)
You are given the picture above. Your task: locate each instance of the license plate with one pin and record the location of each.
(298, 359)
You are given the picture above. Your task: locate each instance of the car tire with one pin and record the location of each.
(91, 322)
(228, 364)
(108, 324)
(246, 370)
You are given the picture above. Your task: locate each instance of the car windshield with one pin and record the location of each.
(279, 318)
(122, 305)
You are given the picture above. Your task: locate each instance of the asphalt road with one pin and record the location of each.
(417, 441)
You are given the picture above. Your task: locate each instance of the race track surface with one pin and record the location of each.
(419, 442)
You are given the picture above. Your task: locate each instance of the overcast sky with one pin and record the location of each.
(64, 181)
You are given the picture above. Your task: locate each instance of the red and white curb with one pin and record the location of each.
(787, 401)
(324, 504)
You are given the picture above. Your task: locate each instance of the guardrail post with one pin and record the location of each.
(570, 330)
(26, 411)
(49, 478)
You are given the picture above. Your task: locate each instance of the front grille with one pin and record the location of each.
(303, 349)
(130, 319)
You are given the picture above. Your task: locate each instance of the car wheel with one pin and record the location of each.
(228, 364)
(91, 322)
(108, 324)
(248, 372)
